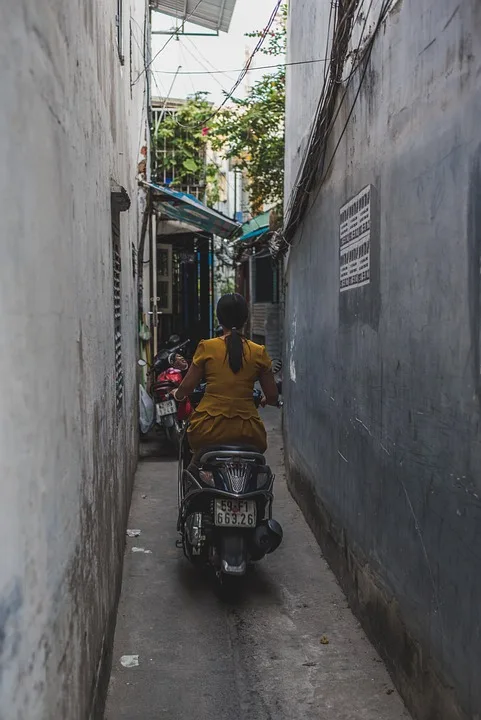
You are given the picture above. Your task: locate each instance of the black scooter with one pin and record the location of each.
(225, 497)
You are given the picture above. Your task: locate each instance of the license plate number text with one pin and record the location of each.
(235, 513)
(166, 408)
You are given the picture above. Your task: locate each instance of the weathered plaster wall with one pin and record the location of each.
(69, 123)
(383, 383)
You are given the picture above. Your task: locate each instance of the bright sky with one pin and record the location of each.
(226, 52)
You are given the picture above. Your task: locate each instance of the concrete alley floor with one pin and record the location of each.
(258, 658)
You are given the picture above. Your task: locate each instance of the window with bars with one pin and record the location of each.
(165, 168)
(117, 293)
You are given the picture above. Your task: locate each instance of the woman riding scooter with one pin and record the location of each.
(230, 365)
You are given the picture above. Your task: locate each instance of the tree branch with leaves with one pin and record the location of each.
(251, 132)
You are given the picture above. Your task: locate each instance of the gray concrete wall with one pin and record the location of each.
(69, 124)
(383, 383)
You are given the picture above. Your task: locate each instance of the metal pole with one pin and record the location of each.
(235, 193)
(212, 284)
(185, 34)
(154, 298)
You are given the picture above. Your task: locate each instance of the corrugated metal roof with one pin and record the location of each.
(253, 234)
(212, 14)
(187, 209)
(255, 227)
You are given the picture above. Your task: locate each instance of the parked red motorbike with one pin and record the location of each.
(169, 415)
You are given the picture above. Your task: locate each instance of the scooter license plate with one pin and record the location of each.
(235, 513)
(166, 408)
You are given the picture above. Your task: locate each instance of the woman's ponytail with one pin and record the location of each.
(235, 350)
(232, 313)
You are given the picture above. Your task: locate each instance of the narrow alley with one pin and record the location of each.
(218, 212)
(287, 648)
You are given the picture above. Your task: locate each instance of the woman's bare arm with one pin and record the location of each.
(269, 387)
(190, 382)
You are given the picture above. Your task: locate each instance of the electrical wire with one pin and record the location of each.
(300, 197)
(317, 114)
(319, 136)
(366, 56)
(158, 84)
(140, 27)
(244, 71)
(215, 70)
(200, 63)
(167, 97)
(259, 67)
(171, 36)
(142, 50)
(347, 80)
(182, 51)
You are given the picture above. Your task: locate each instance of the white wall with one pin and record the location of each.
(68, 125)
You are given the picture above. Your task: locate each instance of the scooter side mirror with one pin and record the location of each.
(141, 363)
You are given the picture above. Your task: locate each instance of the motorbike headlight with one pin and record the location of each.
(263, 478)
(207, 477)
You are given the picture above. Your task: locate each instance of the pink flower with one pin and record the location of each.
(205, 131)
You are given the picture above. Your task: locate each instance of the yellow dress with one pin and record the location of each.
(227, 414)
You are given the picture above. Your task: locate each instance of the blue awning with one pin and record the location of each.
(187, 209)
(254, 234)
(256, 227)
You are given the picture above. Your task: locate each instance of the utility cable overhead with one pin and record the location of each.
(206, 60)
(259, 67)
(244, 71)
(314, 162)
(171, 36)
(200, 63)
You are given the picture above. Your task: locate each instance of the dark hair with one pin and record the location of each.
(232, 313)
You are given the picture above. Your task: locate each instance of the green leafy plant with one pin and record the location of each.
(180, 150)
(252, 130)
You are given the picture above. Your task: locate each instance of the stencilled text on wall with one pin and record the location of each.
(355, 241)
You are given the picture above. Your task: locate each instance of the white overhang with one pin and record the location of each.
(212, 14)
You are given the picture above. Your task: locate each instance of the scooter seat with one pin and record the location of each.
(251, 449)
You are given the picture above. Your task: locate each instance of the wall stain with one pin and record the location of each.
(474, 268)
(10, 605)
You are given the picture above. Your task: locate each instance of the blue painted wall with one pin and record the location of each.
(383, 383)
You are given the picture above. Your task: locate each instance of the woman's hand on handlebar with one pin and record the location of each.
(269, 388)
